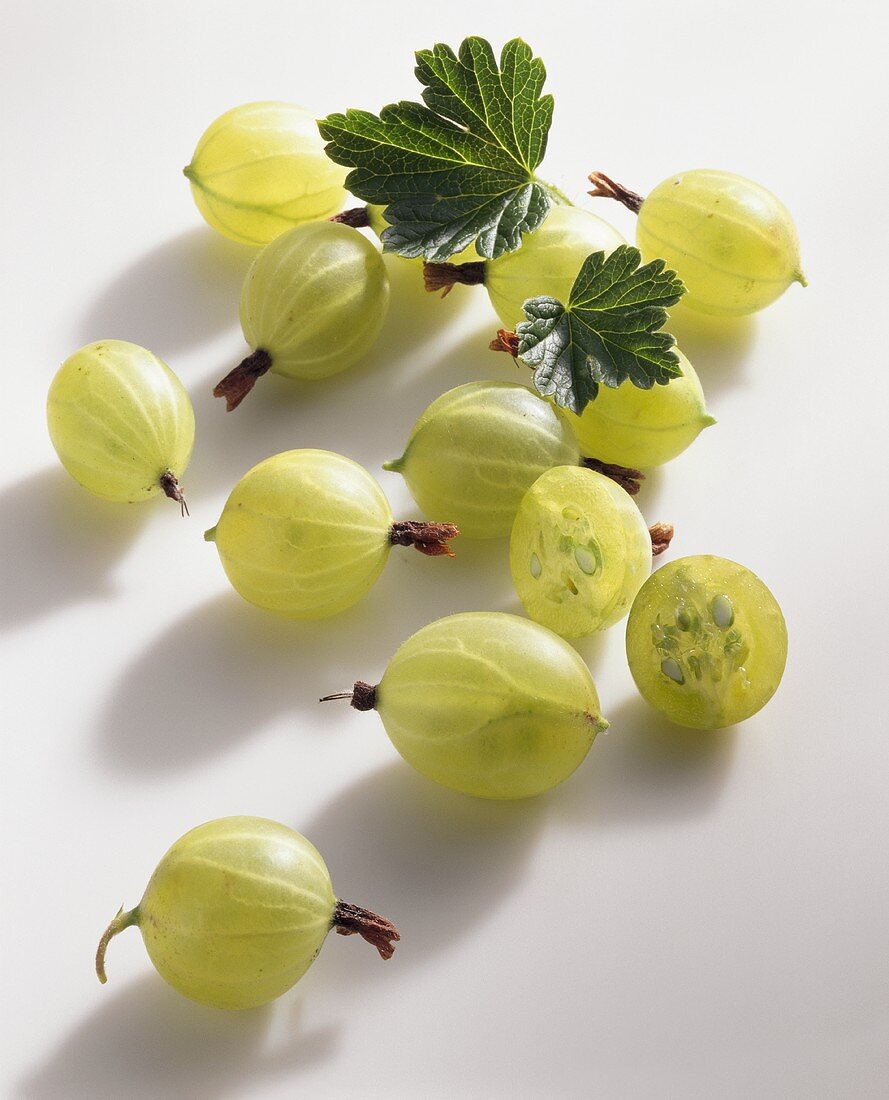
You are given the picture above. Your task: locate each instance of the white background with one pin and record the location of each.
(689, 916)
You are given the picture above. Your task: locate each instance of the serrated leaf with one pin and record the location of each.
(459, 170)
(606, 333)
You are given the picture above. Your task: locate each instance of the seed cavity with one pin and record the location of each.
(536, 567)
(670, 667)
(570, 585)
(722, 611)
(570, 513)
(683, 619)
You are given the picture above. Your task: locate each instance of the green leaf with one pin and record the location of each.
(606, 333)
(461, 168)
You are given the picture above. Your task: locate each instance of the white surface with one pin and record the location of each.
(688, 916)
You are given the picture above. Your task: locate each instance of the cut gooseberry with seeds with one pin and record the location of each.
(312, 304)
(580, 551)
(706, 642)
(732, 242)
(121, 422)
(237, 911)
(305, 534)
(488, 704)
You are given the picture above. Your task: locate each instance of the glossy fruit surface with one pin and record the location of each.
(304, 534)
(706, 642)
(635, 427)
(579, 551)
(732, 242)
(120, 420)
(315, 300)
(260, 169)
(477, 449)
(490, 704)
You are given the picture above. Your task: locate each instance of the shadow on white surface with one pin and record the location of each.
(180, 294)
(718, 348)
(60, 544)
(226, 669)
(147, 1042)
(645, 770)
(433, 861)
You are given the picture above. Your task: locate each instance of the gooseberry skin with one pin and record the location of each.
(477, 449)
(548, 262)
(315, 300)
(304, 534)
(732, 242)
(579, 551)
(489, 704)
(706, 642)
(120, 420)
(635, 427)
(237, 911)
(260, 169)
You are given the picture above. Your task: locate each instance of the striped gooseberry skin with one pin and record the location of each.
(260, 169)
(477, 449)
(120, 420)
(236, 911)
(315, 300)
(489, 704)
(304, 534)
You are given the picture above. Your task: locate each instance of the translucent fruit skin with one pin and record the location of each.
(579, 551)
(548, 261)
(732, 242)
(477, 449)
(706, 642)
(490, 704)
(236, 912)
(260, 169)
(634, 427)
(315, 299)
(119, 419)
(304, 534)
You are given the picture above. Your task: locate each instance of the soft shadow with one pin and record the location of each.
(59, 544)
(146, 1041)
(226, 669)
(435, 862)
(716, 346)
(182, 293)
(645, 770)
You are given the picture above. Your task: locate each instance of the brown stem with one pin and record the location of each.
(363, 696)
(505, 341)
(121, 921)
(356, 217)
(239, 382)
(661, 537)
(444, 277)
(604, 187)
(173, 490)
(625, 476)
(429, 538)
(352, 920)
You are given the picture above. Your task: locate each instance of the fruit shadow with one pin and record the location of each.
(176, 296)
(225, 669)
(717, 348)
(435, 862)
(646, 770)
(146, 1041)
(281, 414)
(60, 544)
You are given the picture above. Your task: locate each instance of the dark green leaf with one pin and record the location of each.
(607, 333)
(461, 168)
